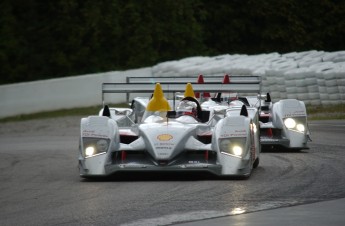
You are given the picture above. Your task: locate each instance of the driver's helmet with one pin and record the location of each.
(187, 107)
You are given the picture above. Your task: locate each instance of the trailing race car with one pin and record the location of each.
(157, 134)
(284, 124)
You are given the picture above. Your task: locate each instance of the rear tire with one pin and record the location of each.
(256, 163)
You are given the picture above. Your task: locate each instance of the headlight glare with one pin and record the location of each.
(300, 127)
(232, 146)
(237, 150)
(89, 151)
(95, 146)
(290, 123)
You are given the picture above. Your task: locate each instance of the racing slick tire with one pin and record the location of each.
(256, 163)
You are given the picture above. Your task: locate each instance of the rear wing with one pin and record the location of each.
(236, 79)
(249, 84)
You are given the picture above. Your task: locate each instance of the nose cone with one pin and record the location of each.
(158, 101)
(189, 92)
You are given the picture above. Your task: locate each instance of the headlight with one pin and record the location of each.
(232, 146)
(224, 145)
(300, 127)
(95, 146)
(89, 151)
(237, 150)
(290, 123)
(297, 124)
(102, 145)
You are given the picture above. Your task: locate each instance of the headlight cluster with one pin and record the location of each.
(95, 146)
(295, 124)
(232, 146)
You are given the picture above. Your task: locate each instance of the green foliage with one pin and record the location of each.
(46, 39)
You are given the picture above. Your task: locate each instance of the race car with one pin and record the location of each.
(156, 134)
(284, 125)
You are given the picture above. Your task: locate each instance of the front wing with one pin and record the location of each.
(142, 162)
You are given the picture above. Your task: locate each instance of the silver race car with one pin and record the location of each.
(174, 134)
(284, 124)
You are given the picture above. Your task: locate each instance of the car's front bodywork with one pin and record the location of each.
(284, 125)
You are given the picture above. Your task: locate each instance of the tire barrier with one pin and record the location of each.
(315, 77)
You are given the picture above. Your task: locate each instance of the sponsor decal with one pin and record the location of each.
(252, 149)
(295, 114)
(93, 133)
(236, 133)
(163, 148)
(164, 137)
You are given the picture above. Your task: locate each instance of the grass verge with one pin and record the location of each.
(82, 112)
(326, 112)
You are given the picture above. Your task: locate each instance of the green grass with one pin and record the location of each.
(325, 112)
(314, 113)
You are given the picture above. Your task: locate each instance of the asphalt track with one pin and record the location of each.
(40, 185)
